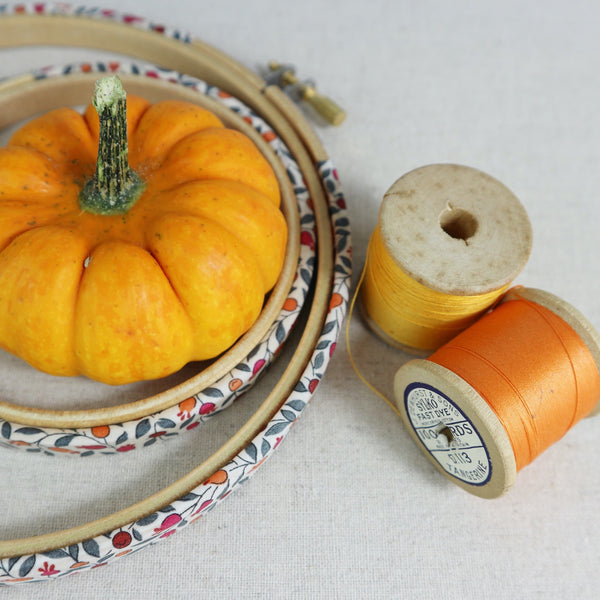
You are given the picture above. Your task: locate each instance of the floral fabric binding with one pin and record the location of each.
(198, 502)
(92, 12)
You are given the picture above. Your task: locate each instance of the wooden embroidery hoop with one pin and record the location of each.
(20, 99)
(285, 118)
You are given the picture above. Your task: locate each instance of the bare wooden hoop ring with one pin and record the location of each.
(193, 58)
(308, 363)
(28, 95)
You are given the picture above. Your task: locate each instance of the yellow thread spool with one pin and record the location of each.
(449, 241)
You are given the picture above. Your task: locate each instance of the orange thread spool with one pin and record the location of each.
(539, 391)
(488, 402)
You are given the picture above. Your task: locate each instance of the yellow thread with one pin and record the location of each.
(410, 313)
(349, 351)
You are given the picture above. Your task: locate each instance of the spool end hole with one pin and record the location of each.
(445, 431)
(458, 223)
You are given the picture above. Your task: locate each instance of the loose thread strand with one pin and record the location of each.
(348, 344)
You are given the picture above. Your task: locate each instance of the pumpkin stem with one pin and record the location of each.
(115, 187)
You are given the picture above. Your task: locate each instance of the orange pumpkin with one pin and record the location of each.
(125, 258)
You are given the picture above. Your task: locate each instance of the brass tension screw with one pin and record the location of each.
(326, 107)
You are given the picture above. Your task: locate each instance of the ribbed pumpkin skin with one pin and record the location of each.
(178, 278)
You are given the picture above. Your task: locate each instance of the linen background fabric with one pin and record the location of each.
(348, 507)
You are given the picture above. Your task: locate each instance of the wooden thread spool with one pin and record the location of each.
(487, 403)
(449, 242)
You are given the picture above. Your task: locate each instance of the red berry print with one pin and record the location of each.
(307, 239)
(258, 365)
(121, 540)
(169, 522)
(207, 408)
(126, 448)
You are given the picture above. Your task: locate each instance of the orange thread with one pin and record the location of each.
(531, 367)
(410, 313)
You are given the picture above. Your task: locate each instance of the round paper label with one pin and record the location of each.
(447, 434)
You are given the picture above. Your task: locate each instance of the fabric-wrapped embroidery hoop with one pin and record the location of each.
(135, 527)
(59, 24)
(136, 423)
